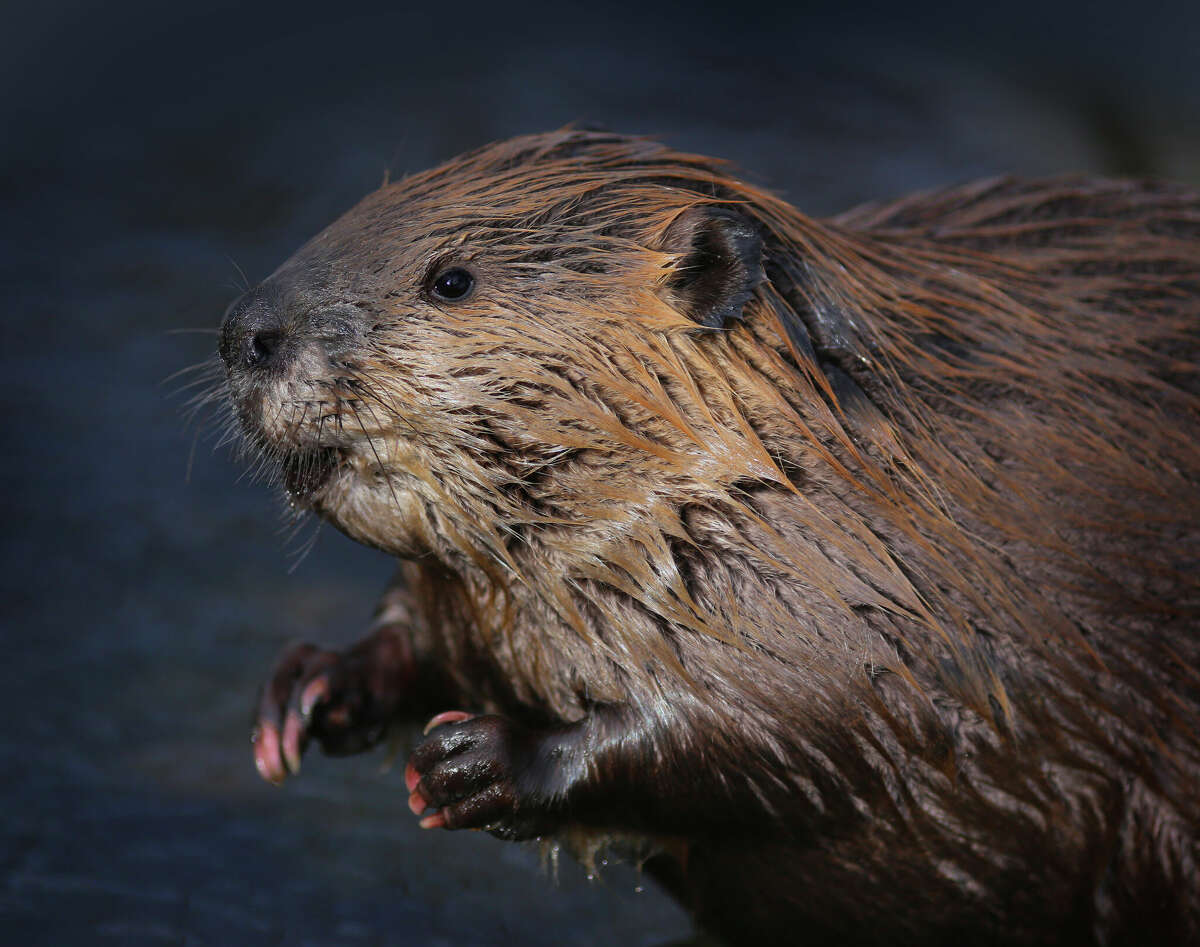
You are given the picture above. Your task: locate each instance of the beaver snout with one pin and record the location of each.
(252, 332)
(268, 329)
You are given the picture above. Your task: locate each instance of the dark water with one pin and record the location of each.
(144, 152)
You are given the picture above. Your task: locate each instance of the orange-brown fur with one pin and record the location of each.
(925, 587)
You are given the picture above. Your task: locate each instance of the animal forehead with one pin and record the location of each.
(541, 207)
(543, 180)
(565, 188)
(389, 231)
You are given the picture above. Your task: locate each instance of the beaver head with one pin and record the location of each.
(518, 339)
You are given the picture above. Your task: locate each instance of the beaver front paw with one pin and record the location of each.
(344, 700)
(478, 773)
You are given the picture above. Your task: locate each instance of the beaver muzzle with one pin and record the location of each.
(281, 366)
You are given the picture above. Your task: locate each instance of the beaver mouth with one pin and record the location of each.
(306, 473)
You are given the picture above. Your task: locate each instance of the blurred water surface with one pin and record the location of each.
(148, 154)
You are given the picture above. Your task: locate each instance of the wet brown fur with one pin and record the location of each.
(900, 570)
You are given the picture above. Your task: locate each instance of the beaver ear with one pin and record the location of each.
(719, 266)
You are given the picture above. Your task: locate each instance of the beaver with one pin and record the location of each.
(846, 571)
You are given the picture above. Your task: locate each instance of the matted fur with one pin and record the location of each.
(910, 552)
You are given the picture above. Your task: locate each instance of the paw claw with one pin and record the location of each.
(448, 716)
(435, 821)
(315, 692)
(293, 728)
(266, 755)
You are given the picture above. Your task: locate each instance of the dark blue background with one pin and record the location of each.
(144, 150)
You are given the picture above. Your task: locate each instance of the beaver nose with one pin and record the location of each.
(251, 333)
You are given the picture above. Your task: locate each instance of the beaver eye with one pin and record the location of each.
(453, 284)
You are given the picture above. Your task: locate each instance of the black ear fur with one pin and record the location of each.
(721, 263)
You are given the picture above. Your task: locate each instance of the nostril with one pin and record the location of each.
(254, 332)
(260, 346)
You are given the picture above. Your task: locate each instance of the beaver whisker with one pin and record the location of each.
(217, 391)
(211, 368)
(213, 388)
(299, 555)
(320, 425)
(383, 470)
(232, 433)
(244, 287)
(362, 387)
(294, 424)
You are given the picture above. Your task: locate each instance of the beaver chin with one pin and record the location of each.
(307, 474)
